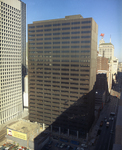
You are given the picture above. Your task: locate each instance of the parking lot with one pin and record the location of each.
(56, 144)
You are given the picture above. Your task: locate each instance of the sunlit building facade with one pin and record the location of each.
(62, 56)
(11, 60)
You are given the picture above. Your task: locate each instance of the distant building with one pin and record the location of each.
(11, 59)
(120, 67)
(62, 56)
(107, 50)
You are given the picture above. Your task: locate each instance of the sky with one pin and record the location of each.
(106, 13)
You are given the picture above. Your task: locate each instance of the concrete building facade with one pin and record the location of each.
(11, 60)
(62, 56)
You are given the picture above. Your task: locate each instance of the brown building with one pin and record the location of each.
(62, 56)
(102, 63)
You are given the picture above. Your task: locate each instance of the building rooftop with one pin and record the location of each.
(66, 18)
(106, 44)
(27, 127)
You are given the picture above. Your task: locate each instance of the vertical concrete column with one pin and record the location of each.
(51, 128)
(87, 137)
(43, 126)
(59, 130)
(68, 132)
(77, 134)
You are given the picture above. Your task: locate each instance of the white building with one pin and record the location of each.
(11, 60)
(107, 50)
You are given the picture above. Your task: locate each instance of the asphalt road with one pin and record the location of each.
(107, 136)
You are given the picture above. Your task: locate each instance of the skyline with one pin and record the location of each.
(107, 14)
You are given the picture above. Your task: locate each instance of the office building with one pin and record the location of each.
(62, 57)
(11, 60)
(107, 51)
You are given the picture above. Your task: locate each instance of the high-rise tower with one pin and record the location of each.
(10, 59)
(62, 56)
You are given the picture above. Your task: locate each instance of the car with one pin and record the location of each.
(82, 148)
(111, 131)
(56, 145)
(68, 147)
(83, 145)
(112, 118)
(75, 148)
(101, 123)
(109, 118)
(62, 145)
(50, 142)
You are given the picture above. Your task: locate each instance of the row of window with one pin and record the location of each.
(58, 38)
(58, 47)
(59, 24)
(12, 8)
(58, 51)
(58, 33)
(58, 29)
(63, 42)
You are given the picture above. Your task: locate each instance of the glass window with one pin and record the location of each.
(39, 39)
(75, 41)
(85, 46)
(74, 51)
(78, 32)
(75, 22)
(65, 37)
(56, 47)
(39, 26)
(85, 36)
(39, 35)
(65, 46)
(83, 27)
(66, 28)
(64, 33)
(65, 51)
(39, 47)
(47, 47)
(31, 27)
(56, 51)
(58, 24)
(39, 43)
(47, 38)
(75, 28)
(47, 34)
(56, 38)
(74, 46)
(85, 41)
(56, 33)
(56, 29)
(75, 37)
(31, 39)
(64, 24)
(32, 35)
(56, 42)
(48, 25)
(83, 22)
(65, 42)
(85, 31)
(47, 29)
(31, 31)
(47, 42)
(39, 30)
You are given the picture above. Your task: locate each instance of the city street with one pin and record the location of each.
(107, 136)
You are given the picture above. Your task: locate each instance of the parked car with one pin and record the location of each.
(83, 145)
(101, 124)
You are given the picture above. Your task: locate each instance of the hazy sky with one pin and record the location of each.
(106, 13)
